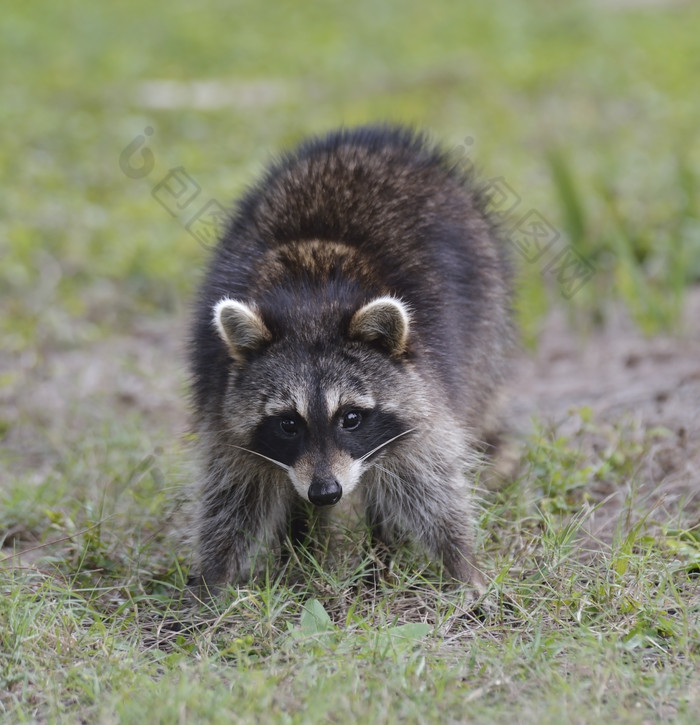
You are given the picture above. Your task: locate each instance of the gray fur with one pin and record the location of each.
(360, 280)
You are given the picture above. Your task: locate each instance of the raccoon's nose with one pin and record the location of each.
(324, 491)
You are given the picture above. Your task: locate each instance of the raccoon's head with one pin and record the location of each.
(321, 406)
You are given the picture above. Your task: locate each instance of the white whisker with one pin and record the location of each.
(255, 453)
(393, 474)
(386, 443)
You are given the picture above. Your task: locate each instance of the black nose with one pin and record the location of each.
(324, 491)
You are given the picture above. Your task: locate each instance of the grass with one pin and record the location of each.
(573, 628)
(87, 649)
(588, 111)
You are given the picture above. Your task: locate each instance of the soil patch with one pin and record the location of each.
(650, 387)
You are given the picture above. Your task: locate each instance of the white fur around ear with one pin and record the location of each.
(385, 320)
(240, 326)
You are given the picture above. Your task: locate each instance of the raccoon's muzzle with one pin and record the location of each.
(324, 491)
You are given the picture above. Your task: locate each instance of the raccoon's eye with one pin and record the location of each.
(351, 420)
(289, 426)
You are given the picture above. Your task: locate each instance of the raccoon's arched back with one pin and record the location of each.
(351, 184)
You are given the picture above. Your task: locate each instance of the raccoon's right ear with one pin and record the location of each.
(240, 326)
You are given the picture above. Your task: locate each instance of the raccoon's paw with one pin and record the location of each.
(460, 564)
(477, 607)
(376, 565)
(477, 597)
(199, 590)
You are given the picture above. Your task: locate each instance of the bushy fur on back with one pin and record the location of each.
(351, 335)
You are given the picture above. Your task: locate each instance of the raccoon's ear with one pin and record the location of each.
(386, 321)
(240, 326)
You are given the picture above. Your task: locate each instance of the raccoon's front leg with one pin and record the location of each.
(442, 524)
(239, 524)
(383, 540)
(456, 550)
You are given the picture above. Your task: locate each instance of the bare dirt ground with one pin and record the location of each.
(50, 397)
(644, 389)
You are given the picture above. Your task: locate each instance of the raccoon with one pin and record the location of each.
(350, 337)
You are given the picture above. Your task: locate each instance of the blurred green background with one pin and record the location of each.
(589, 110)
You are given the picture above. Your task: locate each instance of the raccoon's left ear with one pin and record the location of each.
(240, 326)
(386, 321)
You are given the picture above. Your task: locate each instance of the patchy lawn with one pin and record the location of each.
(585, 114)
